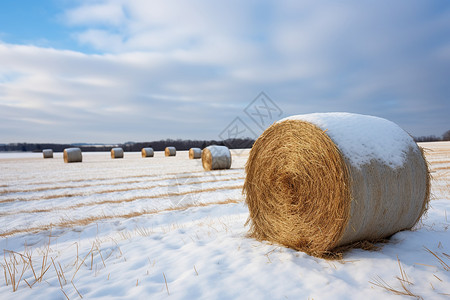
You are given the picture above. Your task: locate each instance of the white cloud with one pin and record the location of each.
(100, 39)
(193, 62)
(95, 13)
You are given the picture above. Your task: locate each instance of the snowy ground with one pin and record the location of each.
(161, 227)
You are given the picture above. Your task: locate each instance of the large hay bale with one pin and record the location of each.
(195, 153)
(216, 158)
(47, 153)
(170, 151)
(320, 183)
(147, 152)
(72, 155)
(116, 153)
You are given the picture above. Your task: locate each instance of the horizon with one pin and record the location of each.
(110, 71)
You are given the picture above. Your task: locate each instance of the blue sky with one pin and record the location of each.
(111, 71)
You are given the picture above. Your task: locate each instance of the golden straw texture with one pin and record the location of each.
(170, 151)
(195, 153)
(72, 155)
(147, 152)
(303, 193)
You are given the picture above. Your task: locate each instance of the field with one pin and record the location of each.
(161, 227)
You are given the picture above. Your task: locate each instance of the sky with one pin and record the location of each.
(112, 71)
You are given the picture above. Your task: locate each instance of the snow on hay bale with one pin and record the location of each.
(47, 153)
(116, 153)
(323, 183)
(72, 155)
(195, 153)
(216, 158)
(147, 152)
(170, 151)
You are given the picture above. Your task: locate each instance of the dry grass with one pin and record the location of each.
(67, 223)
(446, 168)
(24, 267)
(405, 284)
(167, 287)
(149, 178)
(444, 265)
(12, 265)
(95, 203)
(84, 194)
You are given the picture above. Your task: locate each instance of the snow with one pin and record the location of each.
(122, 229)
(362, 138)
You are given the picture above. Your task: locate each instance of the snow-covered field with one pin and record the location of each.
(161, 227)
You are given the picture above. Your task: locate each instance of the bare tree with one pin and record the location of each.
(446, 136)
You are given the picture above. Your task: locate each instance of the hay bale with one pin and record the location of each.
(170, 151)
(147, 152)
(321, 183)
(195, 153)
(48, 153)
(116, 153)
(216, 158)
(72, 155)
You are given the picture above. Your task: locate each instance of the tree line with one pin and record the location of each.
(179, 144)
(131, 146)
(433, 138)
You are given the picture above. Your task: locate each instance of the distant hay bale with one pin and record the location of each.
(170, 151)
(147, 152)
(195, 153)
(48, 153)
(72, 155)
(116, 153)
(323, 183)
(216, 158)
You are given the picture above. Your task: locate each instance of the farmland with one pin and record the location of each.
(162, 227)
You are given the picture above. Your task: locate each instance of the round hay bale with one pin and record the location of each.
(216, 158)
(72, 155)
(170, 151)
(322, 183)
(116, 153)
(147, 152)
(195, 153)
(48, 153)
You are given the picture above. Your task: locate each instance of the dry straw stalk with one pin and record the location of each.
(303, 193)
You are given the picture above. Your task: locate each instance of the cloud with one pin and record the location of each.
(90, 94)
(95, 13)
(187, 69)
